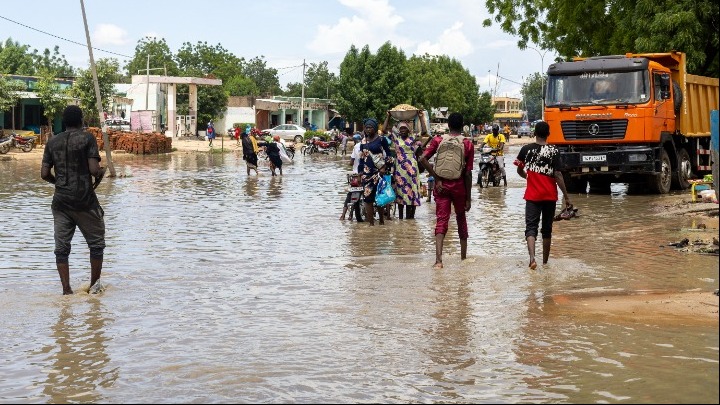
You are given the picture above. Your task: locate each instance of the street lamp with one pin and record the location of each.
(542, 80)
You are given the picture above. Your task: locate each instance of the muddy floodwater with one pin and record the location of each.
(224, 288)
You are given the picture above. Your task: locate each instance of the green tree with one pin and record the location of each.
(52, 97)
(387, 79)
(319, 81)
(160, 58)
(53, 63)
(486, 109)
(264, 77)
(293, 90)
(15, 59)
(241, 86)
(354, 100)
(592, 28)
(108, 72)
(441, 81)
(532, 96)
(10, 94)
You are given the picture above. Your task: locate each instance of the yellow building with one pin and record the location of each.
(508, 110)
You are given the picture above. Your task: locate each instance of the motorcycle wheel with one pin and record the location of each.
(28, 147)
(485, 178)
(4, 148)
(332, 151)
(359, 208)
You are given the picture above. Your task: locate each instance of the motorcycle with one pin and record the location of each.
(24, 143)
(316, 144)
(5, 144)
(489, 168)
(355, 204)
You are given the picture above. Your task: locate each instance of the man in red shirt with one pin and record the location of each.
(539, 163)
(451, 191)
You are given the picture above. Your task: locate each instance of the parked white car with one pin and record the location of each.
(524, 130)
(118, 125)
(288, 132)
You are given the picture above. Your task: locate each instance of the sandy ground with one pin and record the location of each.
(688, 307)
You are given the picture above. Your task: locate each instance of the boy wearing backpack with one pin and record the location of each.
(453, 181)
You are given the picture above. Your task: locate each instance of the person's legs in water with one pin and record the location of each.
(411, 212)
(345, 208)
(532, 220)
(401, 208)
(64, 227)
(461, 218)
(442, 214)
(548, 213)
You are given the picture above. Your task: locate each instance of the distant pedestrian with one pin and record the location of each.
(539, 163)
(272, 148)
(71, 161)
(453, 180)
(407, 173)
(210, 133)
(373, 164)
(343, 142)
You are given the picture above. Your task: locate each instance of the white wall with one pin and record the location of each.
(233, 115)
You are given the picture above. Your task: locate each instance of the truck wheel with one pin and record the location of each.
(575, 184)
(600, 186)
(660, 183)
(681, 177)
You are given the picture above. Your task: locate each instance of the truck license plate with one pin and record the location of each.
(594, 158)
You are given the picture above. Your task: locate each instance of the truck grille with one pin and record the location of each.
(605, 129)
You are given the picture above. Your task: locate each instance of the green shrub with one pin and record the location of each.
(311, 134)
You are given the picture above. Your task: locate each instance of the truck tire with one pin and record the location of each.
(600, 186)
(575, 184)
(683, 174)
(660, 183)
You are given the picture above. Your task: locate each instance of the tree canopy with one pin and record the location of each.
(108, 73)
(17, 59)
(593, 28)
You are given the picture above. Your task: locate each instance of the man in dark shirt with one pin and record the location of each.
(73, 155)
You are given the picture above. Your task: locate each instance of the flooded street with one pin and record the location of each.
(228, 288)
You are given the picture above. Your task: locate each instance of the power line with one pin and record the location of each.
(64, 39)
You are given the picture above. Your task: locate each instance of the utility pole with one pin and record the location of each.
(98, 99)
(302, 96)
(147, 85)
(542, 81)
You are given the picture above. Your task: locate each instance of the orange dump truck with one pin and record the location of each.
(636, 118)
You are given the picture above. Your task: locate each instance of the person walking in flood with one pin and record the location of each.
(272, 148)
(210, 132)
(71, 161)
(407, 173)
(453, 180)
(539, 163)
(250, 149)
(373, 164)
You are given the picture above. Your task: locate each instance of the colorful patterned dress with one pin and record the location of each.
(407, 182)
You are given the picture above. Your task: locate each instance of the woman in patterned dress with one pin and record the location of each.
(371, 169)
(407, 182)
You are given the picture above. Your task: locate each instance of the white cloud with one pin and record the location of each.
(452, 42)
(109, 34)
(375, 23)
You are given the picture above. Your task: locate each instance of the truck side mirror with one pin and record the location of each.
(665, 86)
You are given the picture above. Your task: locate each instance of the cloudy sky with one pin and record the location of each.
(283, 31)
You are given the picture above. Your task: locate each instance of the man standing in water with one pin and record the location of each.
(539, 163)
(453, 179)
(75, 159)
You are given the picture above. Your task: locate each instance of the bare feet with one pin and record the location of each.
(438, 265)
(533, 264)
(68, 291)
(342, 217)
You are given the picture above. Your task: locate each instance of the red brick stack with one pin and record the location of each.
(131, 142)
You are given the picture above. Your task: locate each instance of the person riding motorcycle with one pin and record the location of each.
(496, 140)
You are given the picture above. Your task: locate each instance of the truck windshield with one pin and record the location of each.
(593, 88)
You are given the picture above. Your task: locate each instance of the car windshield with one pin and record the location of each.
(597, 88)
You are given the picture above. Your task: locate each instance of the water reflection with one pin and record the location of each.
(225, 285)
(79, 364)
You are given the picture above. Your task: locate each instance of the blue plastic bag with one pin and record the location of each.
(384, 194)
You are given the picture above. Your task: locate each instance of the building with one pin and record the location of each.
(29, 113)
(508, 110)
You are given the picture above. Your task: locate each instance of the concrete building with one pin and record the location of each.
(508, 110)
(29, 113)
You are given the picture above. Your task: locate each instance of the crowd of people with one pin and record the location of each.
(394, 159)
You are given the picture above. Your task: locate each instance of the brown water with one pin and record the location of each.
(224, 288)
